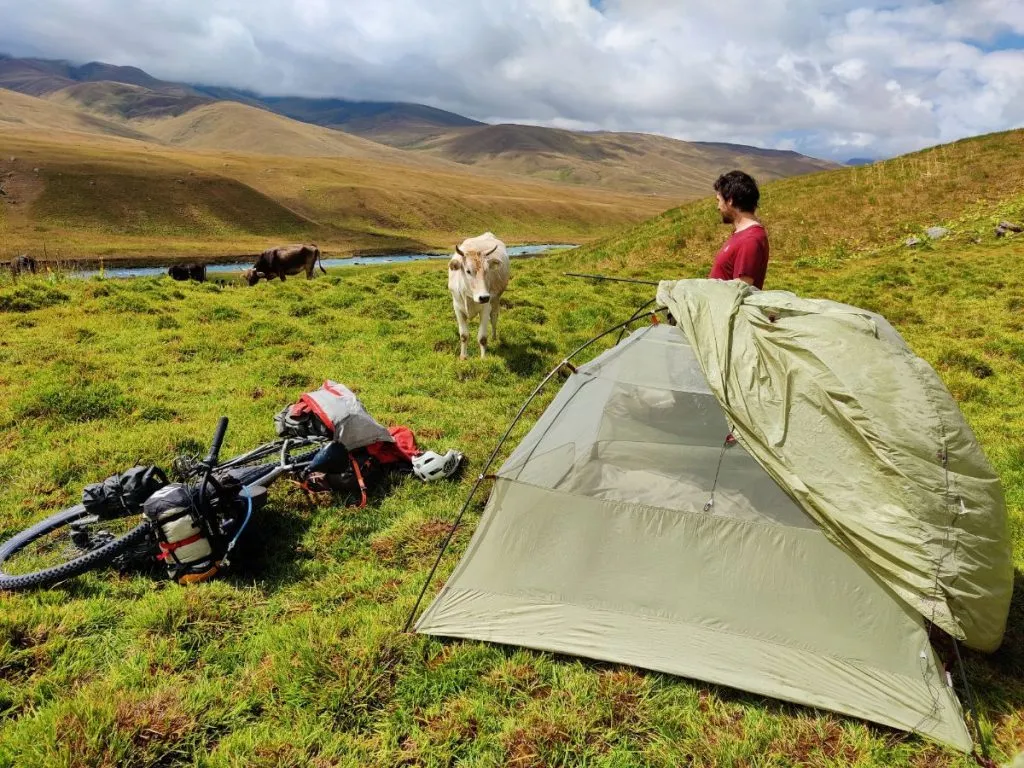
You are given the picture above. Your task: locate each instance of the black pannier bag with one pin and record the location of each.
(124, 493)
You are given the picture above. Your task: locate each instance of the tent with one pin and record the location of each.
(775, 495)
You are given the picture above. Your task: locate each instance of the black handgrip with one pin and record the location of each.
(218, 438)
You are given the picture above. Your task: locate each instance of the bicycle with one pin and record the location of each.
(216, 502)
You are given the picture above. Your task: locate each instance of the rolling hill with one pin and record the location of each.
(633, 162)
(79, 186)
(234, 127)
(21, 112)
(38, 77)
(627, 162)
(122, 101)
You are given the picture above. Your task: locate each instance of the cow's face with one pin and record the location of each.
(252, 276)
(473, 266)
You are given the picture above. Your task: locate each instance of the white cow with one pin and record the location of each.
(477, 276)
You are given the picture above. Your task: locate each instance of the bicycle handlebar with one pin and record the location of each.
(218, 438)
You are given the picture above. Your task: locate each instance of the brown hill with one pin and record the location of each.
(633, 162)
(75, 183)
(38, 77)
(20, 112)
(233, 127)
(121, 101)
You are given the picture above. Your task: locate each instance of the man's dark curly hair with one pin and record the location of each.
(739, 189)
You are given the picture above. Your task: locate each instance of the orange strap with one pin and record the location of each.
(195, 578)
(359, 479)
(166, 547)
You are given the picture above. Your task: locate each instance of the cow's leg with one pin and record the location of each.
(495, 312)
(280, 273)
(463, 322)
(481, 336)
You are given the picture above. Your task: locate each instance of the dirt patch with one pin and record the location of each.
(815, 742)
(20, 186)
(157, 719)
(531, 746)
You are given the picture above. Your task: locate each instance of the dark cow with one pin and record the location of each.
(23, 263)
(195, 272)
(285, 260)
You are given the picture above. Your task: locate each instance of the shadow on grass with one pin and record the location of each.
(273, 553)
(527, 359)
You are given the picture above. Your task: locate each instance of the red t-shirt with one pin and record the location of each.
(745, 254)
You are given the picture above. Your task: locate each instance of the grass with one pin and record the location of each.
(297, 657)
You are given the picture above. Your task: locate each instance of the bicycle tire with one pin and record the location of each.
(74, 567)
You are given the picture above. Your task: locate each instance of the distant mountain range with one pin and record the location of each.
(219, 118)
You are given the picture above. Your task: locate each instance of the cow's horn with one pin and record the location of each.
(490, 251)
(459, 251)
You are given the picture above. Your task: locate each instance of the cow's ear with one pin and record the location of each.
(455, 264)
(494, 261)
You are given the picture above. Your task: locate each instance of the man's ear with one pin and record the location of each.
(455, 263)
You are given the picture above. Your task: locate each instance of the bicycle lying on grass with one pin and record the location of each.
(192, 524)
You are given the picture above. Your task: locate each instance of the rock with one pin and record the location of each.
(179, 181)
(1007, 226)
(912, 241)
(13, 159)
(934, 233)
(36, 170)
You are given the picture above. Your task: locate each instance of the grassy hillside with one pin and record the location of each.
(823, 221)
(631, 162)
(85, 196)
(297, 658)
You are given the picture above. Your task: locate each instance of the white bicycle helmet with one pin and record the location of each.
(431, 466)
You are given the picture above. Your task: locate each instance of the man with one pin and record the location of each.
(745, 254)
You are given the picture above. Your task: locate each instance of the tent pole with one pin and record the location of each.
(612, 279)
(483, 473)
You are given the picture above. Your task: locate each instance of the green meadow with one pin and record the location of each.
(297, 656)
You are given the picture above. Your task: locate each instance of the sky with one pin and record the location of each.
(832, 78)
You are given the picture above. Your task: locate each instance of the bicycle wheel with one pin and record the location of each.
(67, 544)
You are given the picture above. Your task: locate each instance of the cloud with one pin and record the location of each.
(819, 76)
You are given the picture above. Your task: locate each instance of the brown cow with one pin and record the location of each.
(23, 263)
(195, 272)
(285, 260)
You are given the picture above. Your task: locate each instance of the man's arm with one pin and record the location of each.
(746, 279)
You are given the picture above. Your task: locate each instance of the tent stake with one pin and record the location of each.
(484, 472)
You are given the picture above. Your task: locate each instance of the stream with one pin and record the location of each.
(355, 261)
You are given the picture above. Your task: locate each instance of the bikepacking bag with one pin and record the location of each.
(183, 534)
(361, 452)
(332, 411)
(124, 493)
(336, 469)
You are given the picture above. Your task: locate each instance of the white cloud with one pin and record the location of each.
(820, 76)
